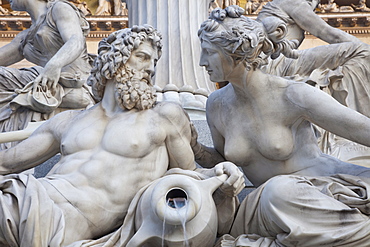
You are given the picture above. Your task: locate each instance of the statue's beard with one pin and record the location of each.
(134, 92)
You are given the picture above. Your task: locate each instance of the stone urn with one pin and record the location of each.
(177, 210)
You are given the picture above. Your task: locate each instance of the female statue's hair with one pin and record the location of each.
(245, 39)
(115, 50)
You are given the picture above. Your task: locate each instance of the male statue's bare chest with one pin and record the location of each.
(130, 134)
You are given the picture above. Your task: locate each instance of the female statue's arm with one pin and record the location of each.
(323, 110)
(302, 14)
(69, 28)
(209, 156)
(10, 53)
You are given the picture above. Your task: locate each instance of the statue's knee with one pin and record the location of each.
(282, 189)
(77, 98)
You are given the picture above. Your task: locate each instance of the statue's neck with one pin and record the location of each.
(249, 83)
(109, 102)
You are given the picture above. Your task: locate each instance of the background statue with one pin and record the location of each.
(56, 43)
(263, 123)
(222, 3)
(253, 7)
(361, 6)
(111, 7)
(331, 6)
(81, 6)
(3, 11)
(108, 153)
(344, 75)
(302, 18)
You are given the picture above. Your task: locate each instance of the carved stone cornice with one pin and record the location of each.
(357, 23)
(100, 26)
(353, 23)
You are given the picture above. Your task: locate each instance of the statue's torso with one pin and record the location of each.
(44, 40)
(268, 136)
(105, 161)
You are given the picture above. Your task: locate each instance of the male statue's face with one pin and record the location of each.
(136, 91)
(144, 59)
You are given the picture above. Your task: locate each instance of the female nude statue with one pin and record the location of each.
(343, 73)
(263, 123)
(55, 42)
(300, 18)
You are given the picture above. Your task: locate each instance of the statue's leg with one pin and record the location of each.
(28, 217)
(296, 213)
(11, 78)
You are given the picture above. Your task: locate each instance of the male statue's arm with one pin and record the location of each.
(205, 156)
(43, 144)
(225, 197)
(181, 155)
(69, 28)
(179, 138)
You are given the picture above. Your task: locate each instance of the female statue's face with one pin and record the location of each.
(218, 65)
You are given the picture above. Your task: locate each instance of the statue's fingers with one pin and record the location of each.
(44, 82)
(219, 169)
(36, 82)
(239, 186)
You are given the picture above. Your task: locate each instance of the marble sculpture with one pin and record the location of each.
(108, 153)
(55, 42)
(342, 73)
(264, 124)
(137, 155)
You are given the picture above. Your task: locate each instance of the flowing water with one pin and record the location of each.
(177, 203)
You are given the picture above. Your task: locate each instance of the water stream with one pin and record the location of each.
(176, 199)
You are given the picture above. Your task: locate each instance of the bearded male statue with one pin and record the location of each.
(108, 152)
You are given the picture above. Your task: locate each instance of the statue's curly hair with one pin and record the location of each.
(245, 39)
(115, 50)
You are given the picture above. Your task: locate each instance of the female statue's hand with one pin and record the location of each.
(48, 78)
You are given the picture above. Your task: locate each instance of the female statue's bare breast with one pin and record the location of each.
(257, 129)
(261, 137)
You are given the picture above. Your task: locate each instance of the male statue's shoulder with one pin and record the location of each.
(170, 110)
(59, 123)
(64, 118)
